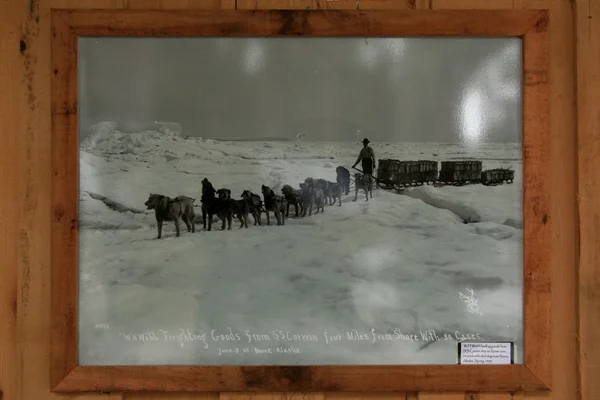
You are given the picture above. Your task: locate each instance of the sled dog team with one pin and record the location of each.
(312, 193)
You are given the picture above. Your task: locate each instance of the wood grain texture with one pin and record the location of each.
(492, 396)
(332, 4)
(144, 4)
(280, 4)
(273, 396)
(34, 265)
(365, 396)
(300, 378)
(563, 187)
(537, 221)
(423, 4)
(443, 396)
(563, 210)
(295, 23)
(64, 195)
(11, 117)
(472, 4)
(25, 275)
(470, 396)
(588, 137)
(170, 396)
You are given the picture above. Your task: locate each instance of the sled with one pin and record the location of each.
(497, 176)
(398, 175)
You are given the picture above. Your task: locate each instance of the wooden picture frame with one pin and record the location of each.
(530, 25)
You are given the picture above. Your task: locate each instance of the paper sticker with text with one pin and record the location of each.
(486, 353)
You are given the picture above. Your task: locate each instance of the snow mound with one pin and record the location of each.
(91, 165)
(169, 128)
(95, 213)
(106, 137)
(496, 231)
(514, 223)
(100, 132)
(114, 205)
(436, 198)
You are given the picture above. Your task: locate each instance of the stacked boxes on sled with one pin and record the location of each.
(460, 171)
(388, 170)
(398, 172)
(497, 175)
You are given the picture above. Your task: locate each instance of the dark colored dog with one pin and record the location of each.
(255, 205)
(343, 178)
(208, 193)
(239, 208)
(310, 197)
(274, 203)
(293, 197)
(167, 209)
(324, 186)
(363, 182)
(211, 206)
(310, 182)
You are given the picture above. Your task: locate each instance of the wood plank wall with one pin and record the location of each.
(24, 191)
(588, 149)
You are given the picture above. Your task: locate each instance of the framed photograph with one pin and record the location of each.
(300, 201)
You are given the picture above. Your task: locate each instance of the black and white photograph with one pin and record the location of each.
(298, 200)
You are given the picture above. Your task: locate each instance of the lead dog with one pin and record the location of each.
(363, 182)
(168, 209)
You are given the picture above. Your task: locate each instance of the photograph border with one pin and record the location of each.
(530, 25)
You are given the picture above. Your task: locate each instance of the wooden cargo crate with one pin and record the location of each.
(428, 171)
(388, 164)
(497, 175)
(461, 165)
(460, 171)
(388, 169)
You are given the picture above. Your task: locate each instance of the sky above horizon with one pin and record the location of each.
(465, 90)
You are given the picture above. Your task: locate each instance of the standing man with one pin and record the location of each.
(367, 156)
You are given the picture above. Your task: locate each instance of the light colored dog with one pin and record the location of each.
(319, 200)
(336, 191)
(363, 182)
(168, 209)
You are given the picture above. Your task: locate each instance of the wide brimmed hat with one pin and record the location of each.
(365, 140)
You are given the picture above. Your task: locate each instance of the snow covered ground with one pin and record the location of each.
(399, 264)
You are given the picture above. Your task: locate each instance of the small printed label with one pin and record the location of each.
(486, 353)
